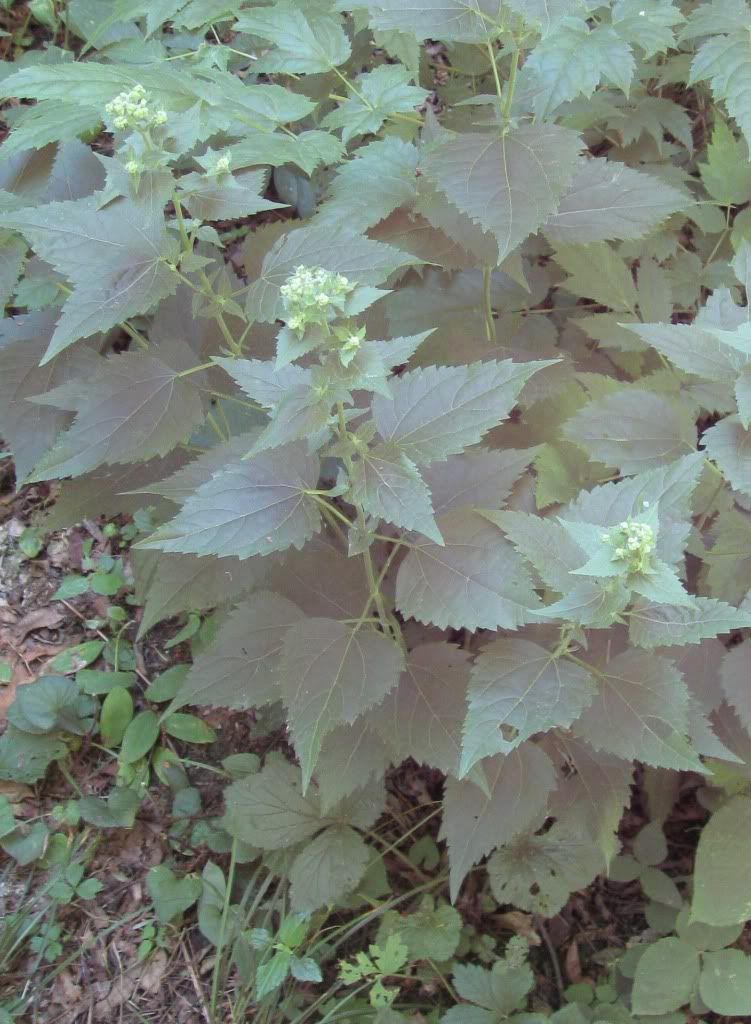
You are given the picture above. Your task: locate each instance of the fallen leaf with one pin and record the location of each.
(40, 618)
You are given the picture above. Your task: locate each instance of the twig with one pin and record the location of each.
(540, 927)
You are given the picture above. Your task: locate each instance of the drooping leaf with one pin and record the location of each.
(508, 183)
(329, 674)
(351, 756)
(440, 410)
(518, 689)
(250, 507)
(327, 869)
(474, 823)
(473, 580)
(722, 886)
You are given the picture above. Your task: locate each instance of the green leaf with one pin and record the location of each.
(307, 150)
(457, 21)
(171, 895)
(140, 736)
(305, 969)
(725, 982)
(188, 728)
(351, 756)
(664, 625)
(338, 249)
(239, 668)
(598, 272)
(380, 93)
(117, 811)
(722, 885)
(666, 977)
(49, 121)
(727, 444)
(647, 25)
(608, 200)
(26, 843)
(225, 198)
(329, 674)
(518, 689)
(50, 703)
(142, 408)
(269, 811)
(303, 45)
(696, 350)
(430, 933)
(475, 822)
(388, 486)
(634, 429)
(116, 716)
(250, 507)
(270, 975)
(543, 542)
(725, 61)
(735, 683)
(474, 580)
(500, 991)
(114, 258)
(538, 873)
(25, 757)
(571, 61)
(77, 657)
(645, 694)
(423, 717)
(440, 410)
(509, 184)
(727, 172)
(327, 869)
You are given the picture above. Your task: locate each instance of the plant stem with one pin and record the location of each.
(223, 931)
(487, 281)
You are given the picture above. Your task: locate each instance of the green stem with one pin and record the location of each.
(487, 280)
(223, 931)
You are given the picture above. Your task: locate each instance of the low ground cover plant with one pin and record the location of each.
(416, 338)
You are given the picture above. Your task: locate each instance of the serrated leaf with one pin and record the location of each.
(225, 198)
(338, 249)
(255, 506)
(171, 895)
(695, 350)
(474, 823)
(351, 756)
(727, 172)
(430, 933)
(544, 543)
(141, 408)
(728, 444)
(722, 884)
(49, 121)
(322, 581)
(518, 689)
(661, 625)
(571, 61)
(474, 580)
(508, 183)
(539, 872)
(380, 93)
(648, 25)
(666, 976)
(308, 150)
(725, 61)
(440, 410)
(239, 669)
(657, 115)
(268, 810)
(608, 200)
(305, 45)
(114, 258)
(634, 429)
(598, 272)
(327, 869)
(736, 682)
(388, 486)
(329, 674)
(476, 479)
(647, 698)
(458, 21)
(423, 717)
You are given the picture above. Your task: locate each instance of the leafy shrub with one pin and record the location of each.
(454, 433)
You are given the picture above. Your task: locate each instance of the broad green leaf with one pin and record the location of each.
(666, 977)
(262, 381)
(251, 507)
(725, 982)
(303, 45)
(647, 698)
(388, 486)
(138, 407)
(114, 257)
(608, 200)
(328, 869)
(268, 810)
(117, 811)
(140, 736)
(509, 184)
(543, 542)
(727, 172)
(594, 603)
(544, 14)
(497, 993)
(181, 485)
(52, 703)
(722, 884)
(725, 61)
(474, 580)
(25, 757)
(178, 583)
(26, 843)
(726, 564)
(475, 822)
(227, 197)
(440, 410)
(743, 396)
(116, 716)
(598, 272)
(661, 625)
(728, 444)
(735, 674)
(171, 895)
(380, 93)
(539, 872)
(351, 756)
(322, 581)
(188, 728)
(385, 171)
(166, 685)
(430, 933)
(49, 121)
(518, 689)
(338, 249)
(329, 674)
(695, 350)
(479, 479)
(423, 717)
(308, 150)
(457, 21)
(239, 667)
(634, 429)
(657, 115)
(647, 25)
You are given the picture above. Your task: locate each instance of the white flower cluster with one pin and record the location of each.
(312, 295)
(132, 109)
(222, 166)
(634, 543)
